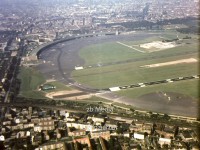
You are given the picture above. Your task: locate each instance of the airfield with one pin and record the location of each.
(97, 64)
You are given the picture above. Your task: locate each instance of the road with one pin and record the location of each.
(19, 53)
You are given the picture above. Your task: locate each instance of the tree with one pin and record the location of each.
(98, 145)
(166, 117)
(176, 131)
(111, 144)
(153, 129)
(154, 116)
(126, 140)
(133, 122)
(165, 146)
(119, 130)
(139, 147)
(2, 145)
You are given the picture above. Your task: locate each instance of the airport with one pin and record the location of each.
(61, 61)
(99, 75)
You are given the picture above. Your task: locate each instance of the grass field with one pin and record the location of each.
(131, 72)
(105, 53)
(190, 88)
(30, 81)
(114, 52)
(59, 87)
(120, 77)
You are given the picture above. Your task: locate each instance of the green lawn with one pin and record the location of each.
(189, 87)
(146, 40)
(33, 94)
(115, 52)
(59, 86)
(105, 53)
(129, 73)
(30, 81)
(132, 72)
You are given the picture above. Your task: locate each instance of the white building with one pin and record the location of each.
(162, 141)
(2, 138)
(98, 119)
(139, 136)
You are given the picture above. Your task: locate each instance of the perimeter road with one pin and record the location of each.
(130, 47)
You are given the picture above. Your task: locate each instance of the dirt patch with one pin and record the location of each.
(50, 80)
(189, 60)
(157, 45)
(82, 97)
(70, 95)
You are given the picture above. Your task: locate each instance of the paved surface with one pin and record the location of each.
(60, 60)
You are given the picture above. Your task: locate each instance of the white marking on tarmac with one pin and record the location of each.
(130, 47)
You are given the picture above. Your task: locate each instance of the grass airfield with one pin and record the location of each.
(113, 64)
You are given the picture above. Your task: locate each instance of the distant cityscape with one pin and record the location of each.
(56, 123)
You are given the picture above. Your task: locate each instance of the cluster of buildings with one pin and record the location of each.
(88, 15)
(9, 47)
(41, 22)
(172, 9)
(42, 129)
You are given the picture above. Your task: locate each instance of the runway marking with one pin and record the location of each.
(130, 47)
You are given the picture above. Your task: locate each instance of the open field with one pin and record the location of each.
(59, 87)
(105, 53)
(111, 72)
(190, 89)
(30, 81)
(130, 73)
(115, 52)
